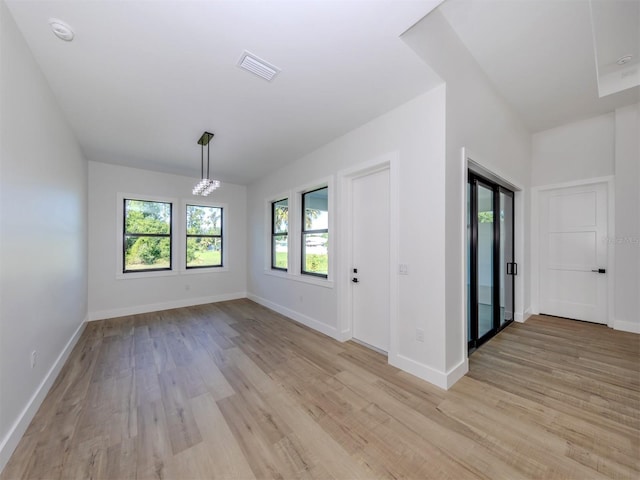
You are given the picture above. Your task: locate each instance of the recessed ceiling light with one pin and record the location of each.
(624, 59)
(61, 29)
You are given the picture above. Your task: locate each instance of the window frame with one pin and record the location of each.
(187, 235)
(275, 234)
(141, 198)
(304, 232)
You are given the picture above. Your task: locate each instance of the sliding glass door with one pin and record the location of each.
(507, 265)
(490, 265)
(485, 244)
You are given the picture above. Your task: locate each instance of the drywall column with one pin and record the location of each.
(478, 119)
(627, 219)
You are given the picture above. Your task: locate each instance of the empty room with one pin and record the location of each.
(332, 239)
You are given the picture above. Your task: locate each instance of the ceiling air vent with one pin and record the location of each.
(257, 66)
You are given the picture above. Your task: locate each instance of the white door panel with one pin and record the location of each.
(573, 247)
(370, 250)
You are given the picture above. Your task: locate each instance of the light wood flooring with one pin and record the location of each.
(233, 390)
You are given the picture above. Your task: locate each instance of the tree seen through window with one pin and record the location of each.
(147, 235)
(315, 232)
(204, 236)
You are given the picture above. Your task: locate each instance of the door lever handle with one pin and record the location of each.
(600, 270)
(354, 280)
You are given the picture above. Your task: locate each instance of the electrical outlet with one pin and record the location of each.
(419, 334)
(34, 358)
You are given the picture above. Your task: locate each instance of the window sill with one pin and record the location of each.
(197, 271)
(318, 281)
(170, 273)
(134, 275)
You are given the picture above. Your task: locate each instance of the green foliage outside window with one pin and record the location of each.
(204, 236)
(279, 234)
(487, 217)
(147, 235)
(315, 232)
(317, 262)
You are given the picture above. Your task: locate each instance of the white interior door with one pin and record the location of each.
(573, 252)
(370, 253)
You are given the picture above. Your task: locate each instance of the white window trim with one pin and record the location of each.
(121, 196)
(294, 262)
(310, 279)
(182, 241)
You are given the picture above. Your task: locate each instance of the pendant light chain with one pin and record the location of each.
(206, 185)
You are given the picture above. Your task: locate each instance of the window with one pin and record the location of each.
(146, 236)
(204, 236)
(315, 232)
(280, 234)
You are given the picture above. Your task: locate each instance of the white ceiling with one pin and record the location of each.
(142, 80)
(540, 54)
(616, 33)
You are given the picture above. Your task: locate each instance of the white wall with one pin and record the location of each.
(577, 151)
(414, 133)
(43, 235)
(111, 296)
(627, 221)
(597, 147)
(479, 120)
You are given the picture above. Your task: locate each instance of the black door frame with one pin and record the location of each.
(473, 179)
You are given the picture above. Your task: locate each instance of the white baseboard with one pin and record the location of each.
(345, 335)
(522, 317)
(444, 380)
(156, 307)
(298, 317)
(625, 326)
(457, 372)
(10, 441)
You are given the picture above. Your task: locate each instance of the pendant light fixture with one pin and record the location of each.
(206, 185)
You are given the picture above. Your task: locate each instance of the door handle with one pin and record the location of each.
(354, 280)
(600, 270)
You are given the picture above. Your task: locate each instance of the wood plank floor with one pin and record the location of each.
(235, 391)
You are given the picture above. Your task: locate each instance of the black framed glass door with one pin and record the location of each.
(490, 259)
